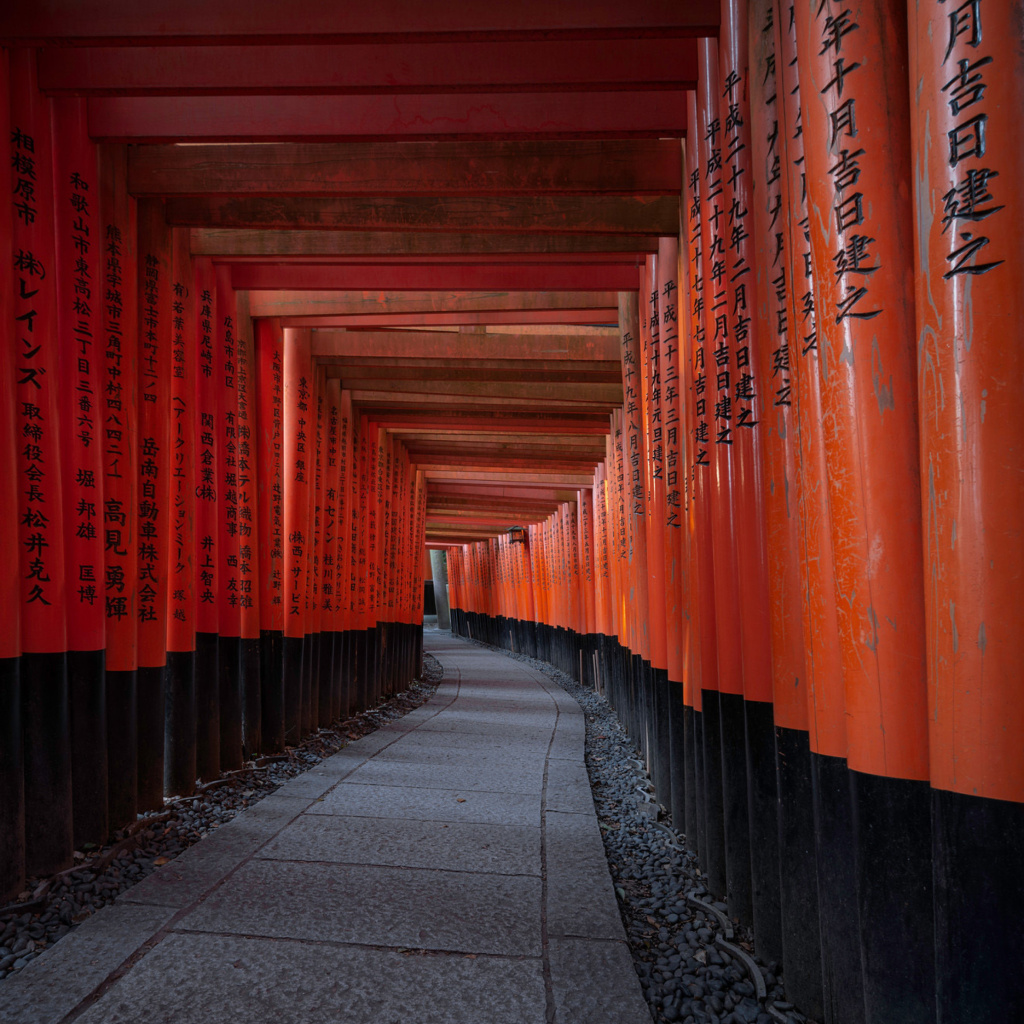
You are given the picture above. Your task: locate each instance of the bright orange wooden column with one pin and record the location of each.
(12, 770)
(967, 86)
(830, 819)
(676, 560)
(654, 461)
(298, 470)
(330, 586)
(40, 526)
(154, 468)
(348, 553)
(180, 747)
(248, 532)
(270, 525)
(120, 461)
(77, 268)
(747, 729)
(229, 632)
(716, 378)
(208, 489)
(856, 148)
(311, 679)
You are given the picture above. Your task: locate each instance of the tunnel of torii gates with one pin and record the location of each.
(691, 335)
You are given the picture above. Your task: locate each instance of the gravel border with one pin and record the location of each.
(49, 908)
(695, 965)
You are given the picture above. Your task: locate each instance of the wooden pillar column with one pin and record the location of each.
(208, 488)
(12, 768)
(78, 255)
(857, 152)
(180, 723)
(270, 527)
(967, 89)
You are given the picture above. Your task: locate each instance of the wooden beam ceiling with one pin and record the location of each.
(450, 196)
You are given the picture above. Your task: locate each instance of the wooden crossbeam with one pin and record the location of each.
(370, 67)
(179, 22)
(398, 276)
(451, 345)
(597, 214)
(648, 167)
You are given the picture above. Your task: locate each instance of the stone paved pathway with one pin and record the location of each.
(446, 869)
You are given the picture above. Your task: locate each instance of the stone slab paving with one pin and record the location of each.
(446, 869)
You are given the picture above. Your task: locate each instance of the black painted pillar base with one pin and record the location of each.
(699, 843)
(678, 751)
(892, 822)
(87, 694)
(801, 937)
(314, 642)
(734, 806)
(325, 668)
(979, 907)
(180, 724)
(291, 674)
(763, 816)
(122, 749)
(229, 650)
(271, 691)
(714, 810)
(47, 753)
(12, 782)
(839, 919)
(252, 697)
(151, 699)
(348, 674)
(207, 707)
(661, 729)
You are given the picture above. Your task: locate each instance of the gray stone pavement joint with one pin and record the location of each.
(445, 869)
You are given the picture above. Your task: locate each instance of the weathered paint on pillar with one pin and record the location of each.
(967, 94)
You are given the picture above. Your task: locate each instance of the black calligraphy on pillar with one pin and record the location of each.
(116, 427)
(331, 498)
(699, 374)
(38, 436)
(743, 395)
(180, 429)
(855, 261)
(84, 490)
(245, 498)
(149, 450)
(634, 414)
(277, 485)
(970, 202)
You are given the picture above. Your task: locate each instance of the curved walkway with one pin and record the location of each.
(446, 869)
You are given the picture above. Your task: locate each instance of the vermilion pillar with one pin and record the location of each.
(676, 557)
(77, 268)
(120, 482)
(248, 532)
(154, 469)
(748, 496)
(12, 773)
(208, 489)
(797, 943)
(47, 739)
(857, 155)
(717, 384)
(654, 420)
(331, 469)
(698, 418)
(299, 446)
(180, 722)
(269, 341)
(967, 82)
(225, 362)
(837, 970)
